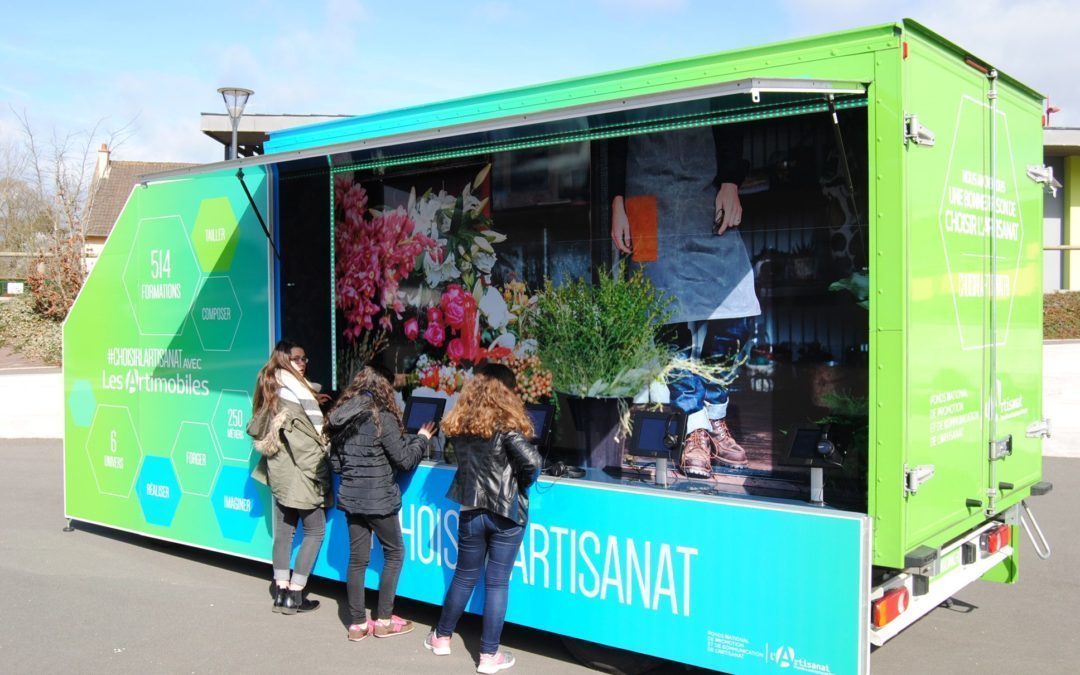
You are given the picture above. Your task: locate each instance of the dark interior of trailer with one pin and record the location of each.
(381, 250)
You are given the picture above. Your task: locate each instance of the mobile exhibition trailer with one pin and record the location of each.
(888, 263)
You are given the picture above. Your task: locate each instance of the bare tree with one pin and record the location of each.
(46, 194)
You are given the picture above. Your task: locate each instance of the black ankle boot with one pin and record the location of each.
(296, 602)
(279, 599)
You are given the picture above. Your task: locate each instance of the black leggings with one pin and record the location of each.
(388, 531)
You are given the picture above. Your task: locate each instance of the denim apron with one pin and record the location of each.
(706, 276)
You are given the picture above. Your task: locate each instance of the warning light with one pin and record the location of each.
(995, 539)
(889, 606)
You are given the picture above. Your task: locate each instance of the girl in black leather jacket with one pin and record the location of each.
(496, 465)
(368, 445)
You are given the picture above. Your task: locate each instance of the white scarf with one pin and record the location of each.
(292, 389)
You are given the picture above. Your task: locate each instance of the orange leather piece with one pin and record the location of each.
(641, 212)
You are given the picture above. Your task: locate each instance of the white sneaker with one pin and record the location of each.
(493, 663)
(439, 646)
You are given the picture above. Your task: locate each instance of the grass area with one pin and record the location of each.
(25, 332)
(1061, 316)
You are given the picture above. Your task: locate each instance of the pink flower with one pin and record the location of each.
(453, 304)
(435, 334)
(412, 328)
(434, 315)
(455, 351)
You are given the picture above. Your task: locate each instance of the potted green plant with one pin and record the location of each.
(602, 344)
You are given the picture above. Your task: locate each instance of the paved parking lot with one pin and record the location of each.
(95, 600)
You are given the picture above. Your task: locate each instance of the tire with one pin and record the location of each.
(610, 659)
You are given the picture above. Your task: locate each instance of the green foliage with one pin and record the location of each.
(602, 340)
(849, 418)
(858, 284)
(24, 331)
(1061, 316)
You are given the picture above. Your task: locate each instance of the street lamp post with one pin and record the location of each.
(235, 100)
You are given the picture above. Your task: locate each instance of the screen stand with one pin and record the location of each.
(660, 475)
(817, 486)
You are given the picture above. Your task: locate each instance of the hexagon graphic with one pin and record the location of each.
(964, 219)
(229, 422)
(161, 276)
(81, 403)
(158, 490)
(216, 314)
(114, 450)
(215, 234)
(239, 503)
(195, 458)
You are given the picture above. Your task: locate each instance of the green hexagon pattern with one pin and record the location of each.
(216, 314)
(215, 234)
(195, 458)
(114, 451)
(81, 403)
(161, 276)
(229, 421)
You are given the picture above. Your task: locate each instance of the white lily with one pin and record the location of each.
(494, 309)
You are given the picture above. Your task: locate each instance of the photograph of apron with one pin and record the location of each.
(670, 195)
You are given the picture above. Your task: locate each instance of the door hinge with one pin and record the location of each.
(915, 476)
(1039, 429)
(1001, 448)
(916, 133)
(1040, 173)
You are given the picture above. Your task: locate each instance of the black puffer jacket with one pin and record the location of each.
(367, 455)
(495, 474)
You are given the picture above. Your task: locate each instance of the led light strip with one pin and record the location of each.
(613, 131)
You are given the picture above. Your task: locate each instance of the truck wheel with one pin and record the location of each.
(610, 659)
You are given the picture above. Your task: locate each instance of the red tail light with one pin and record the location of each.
(889, 606)
(995, 539)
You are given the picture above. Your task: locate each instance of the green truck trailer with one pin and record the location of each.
(885, 368)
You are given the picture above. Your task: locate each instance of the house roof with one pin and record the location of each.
(110, 192)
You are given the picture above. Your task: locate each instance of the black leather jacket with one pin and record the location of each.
(495, 474)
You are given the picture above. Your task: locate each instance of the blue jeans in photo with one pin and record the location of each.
(482, 535)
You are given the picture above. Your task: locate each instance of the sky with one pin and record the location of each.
(154, 67)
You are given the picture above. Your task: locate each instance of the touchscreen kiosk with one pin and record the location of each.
(422, 409)
(656, 434)
(541, 415)
(660, 435)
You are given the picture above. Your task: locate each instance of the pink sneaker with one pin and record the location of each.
(359, 631)
(439, 646)
(395, 625)
(493, 663)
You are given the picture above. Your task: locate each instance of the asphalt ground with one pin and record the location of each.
(95, 600)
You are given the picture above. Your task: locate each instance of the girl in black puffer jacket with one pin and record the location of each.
(368, 445)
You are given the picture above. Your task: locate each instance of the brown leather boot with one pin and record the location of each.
(695, 455)
(725, 450)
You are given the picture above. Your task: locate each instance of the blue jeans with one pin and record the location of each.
(482, 535)
(690, 393)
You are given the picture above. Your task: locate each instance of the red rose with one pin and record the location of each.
(455, 351)
(435, 334)
(412, 328)
(453, 303)
(434, 315)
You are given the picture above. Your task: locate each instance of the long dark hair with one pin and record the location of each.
(372, 380)
(266, 384)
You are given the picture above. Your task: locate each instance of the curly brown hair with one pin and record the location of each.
(374, 383)
(488, 405)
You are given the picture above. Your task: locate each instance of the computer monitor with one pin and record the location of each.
(419, 410)
(656, 434)
(541, 415)
(811, 447)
